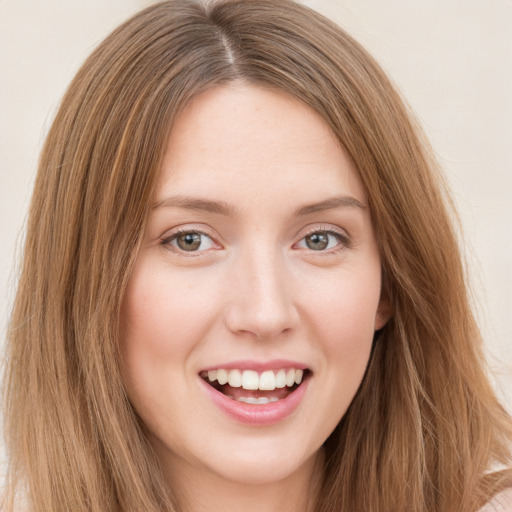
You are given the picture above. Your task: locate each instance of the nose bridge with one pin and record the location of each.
(262, 302)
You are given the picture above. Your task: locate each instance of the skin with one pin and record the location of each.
(254, 289)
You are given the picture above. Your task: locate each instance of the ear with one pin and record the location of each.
(384, 313)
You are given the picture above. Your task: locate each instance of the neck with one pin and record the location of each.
(206, 492)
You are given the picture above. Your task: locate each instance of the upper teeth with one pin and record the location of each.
(250, 379)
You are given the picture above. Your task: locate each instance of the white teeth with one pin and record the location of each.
(281, 379)
(257, 401)
(250, 380)
(222, 376)
(235, 378)
(267, 381)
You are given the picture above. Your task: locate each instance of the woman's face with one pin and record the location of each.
(259, 266)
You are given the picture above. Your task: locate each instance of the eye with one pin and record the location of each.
(322, 240)
(189, 241)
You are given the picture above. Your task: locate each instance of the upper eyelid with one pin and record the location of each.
(169, 244)
(302, 233)
(172, 232)
(342, 235)
(329, 228)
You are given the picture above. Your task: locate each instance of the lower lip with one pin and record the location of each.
(257, 414)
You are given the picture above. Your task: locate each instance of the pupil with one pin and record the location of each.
(317, 241)
(189, 241)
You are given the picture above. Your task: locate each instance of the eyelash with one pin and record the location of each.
(342, 238)
(167, 241)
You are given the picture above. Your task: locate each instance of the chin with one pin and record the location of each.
(260, 470)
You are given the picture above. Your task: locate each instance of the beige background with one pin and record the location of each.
(452, 59)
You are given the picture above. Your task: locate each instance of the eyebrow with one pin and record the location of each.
(223, 208)
(192, 203)
(330, 204)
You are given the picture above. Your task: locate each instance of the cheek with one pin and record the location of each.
(344, 305)
(163, 318)
(342, 316)
(339, 314)
(163, 311)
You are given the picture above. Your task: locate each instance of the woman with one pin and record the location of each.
(241, 287)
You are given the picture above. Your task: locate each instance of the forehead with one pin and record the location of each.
(242, 137)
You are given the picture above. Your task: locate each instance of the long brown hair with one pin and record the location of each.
(424, 430)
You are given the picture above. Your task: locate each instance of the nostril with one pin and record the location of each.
(261, 326)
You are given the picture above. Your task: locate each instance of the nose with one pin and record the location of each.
(261, 297)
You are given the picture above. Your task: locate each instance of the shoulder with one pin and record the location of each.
(502, 502)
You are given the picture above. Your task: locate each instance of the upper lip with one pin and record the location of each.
(258, 366)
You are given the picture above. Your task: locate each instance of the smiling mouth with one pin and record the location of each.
(257, 388)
